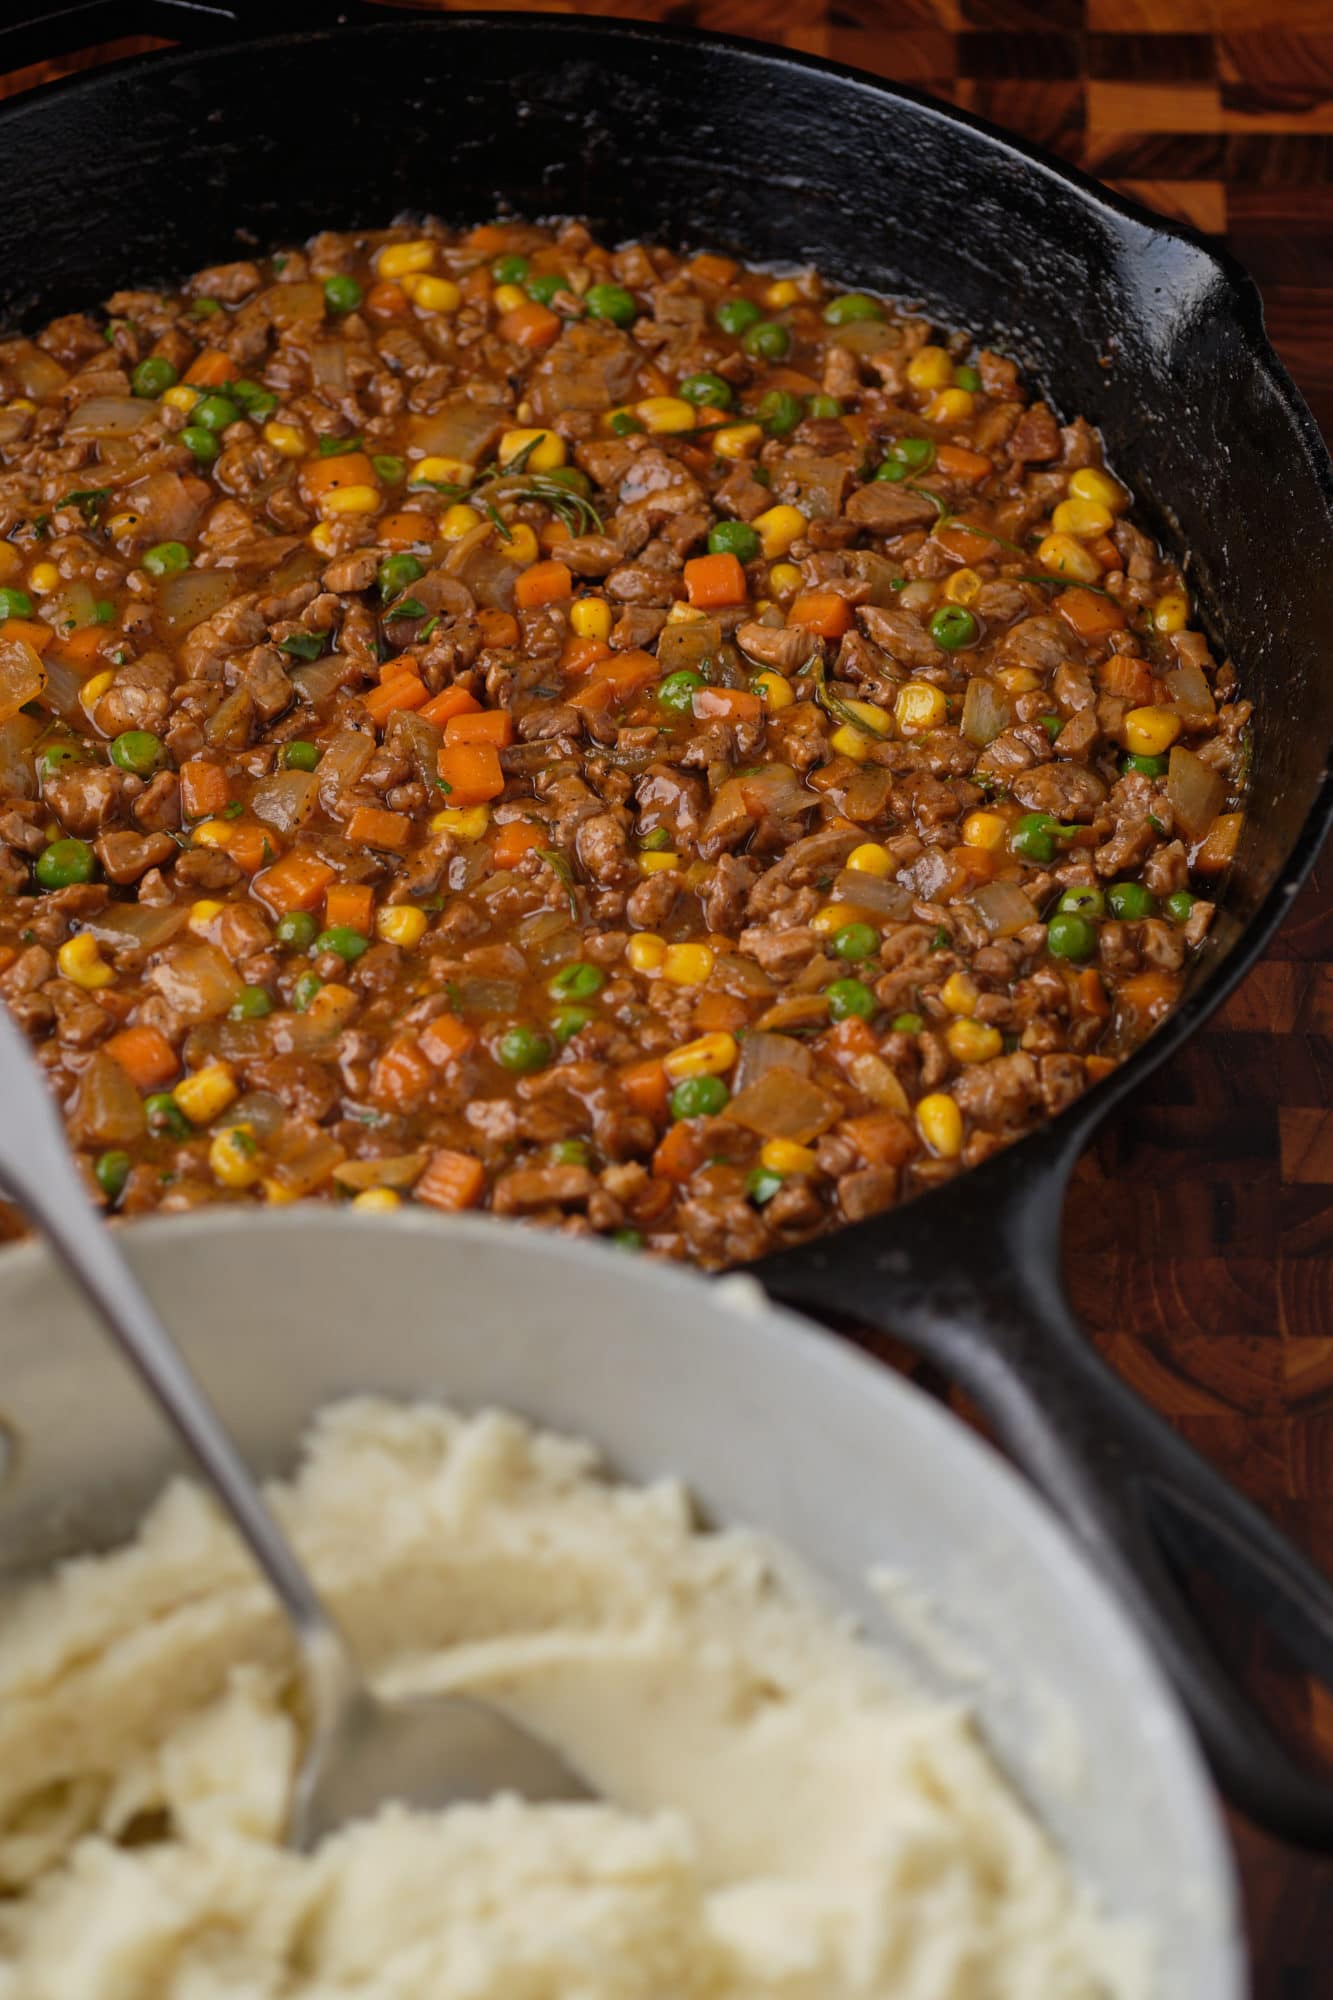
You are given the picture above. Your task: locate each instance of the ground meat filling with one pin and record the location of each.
(623, 740)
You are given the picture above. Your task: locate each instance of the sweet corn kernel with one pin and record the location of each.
(951, 406)
(962, 587)
(43, 578)
(646, 952)
(973, 1041)
(466, 822)
(349, 500)
(833, 916)
(920, 706)
(666, 414)
(1151, 731)
(123, 523)
(940, 1123)
(399, 260)
(458, 521)
(332, 1005)
(707, 1055)
(737, 440)
(203, 915)
(773, 689)
(983, 829)
(202, 1096)
(876, 719)
(784, 1156)
(377, 1200)
(1091, 483)
(687, 964)
(321, 537)
(211, 833)
(777, 528)
(697, 874)
(233, 1157)
(959, 993)
(24, 404)
(591, 618)
(276, 1195)
(658, 861)
(1063, 556)
(1085, 519)
(785, 580)
(401, 924)
(289, 439)
(782, 292)
(441, 471)
(508, 298)
(545, 450)
(435, 295)
(92, 691)
(930, 368)
(1171, 611)
(1017, 680)
(871, 859)
(80, 961)
(180, 396)
(852, 742)
(682, 613)
(521, 547)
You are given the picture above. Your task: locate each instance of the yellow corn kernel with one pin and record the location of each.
(399, 260)
(349, 500)
(940, 1123)
(23, 403)
(962, 587)
(80, 961)
(983, 829)
(782, 292)
(289, 439)
(276, 1195)
(959, 993)
(1084, 519)
(833, 916)
(665, 414)
(43, 578)
(508, 298)
(658, 861)
(737, 440)
(435, 295)
(785, 580)
(401, 924)
(445, 471)
(590, 617)
(872, 859)
(123, 523)
(321, 537)
(211, 833)
(92, 691)
(545, 450)
(467, 822)
(687, 964)
(784, 1156)
(1171, 611)
(180, 396)
(203, 915)
(646, 952)
(233, 1157)
(1151, 731)
(458, 521)
(522, 544)
(697, 874)
(773, 689)
(682, 613)
(1091, 483)
(332, 1005)
(1063, 556)
(202, 1096)
(874, 718)
(777, 528)
(920, 706)
(377, 1200)
(930, 368)
(951, 406)
(707, 1055)
(851, 742)
(973, 1041)
(1017, 680)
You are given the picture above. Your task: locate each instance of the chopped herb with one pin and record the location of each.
(498, 521)
(88, 499)
(447, 486)
(519, 462)
(940, 941)
(302, 645)
(119, 657)
(104, 611)
(389, 468)
(1061, 582)
(232, 811)
(897, 583)
(575, 509)
(443, 785)
(205, 308)
(331, 447)
(407, 607)
(430, 625)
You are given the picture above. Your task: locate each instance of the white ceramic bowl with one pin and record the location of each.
(771, 1422)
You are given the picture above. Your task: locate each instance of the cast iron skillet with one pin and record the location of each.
(156, 166)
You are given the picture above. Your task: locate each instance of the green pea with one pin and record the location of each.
(954, 626)
(761, 1184)
(111, 1171)
(705, 387)
(165, 1118)
(1082, 901)
(1033, 836)
(205, 308)
(297, 930)
(153, 376)
(253, 397)
(1147, 767)
(396, 572)
(300, 755)
(200, 443)
(678, 689)
(251, 1004)
(103, 611)
(15, 603)
(544, 287)
(577, 981)
(571, 1153)
(851, 306)
(822, 406)
(510, 270)
(138, 750)
(626, 1239)
(1071, 936)
(522, 1050)
(566, 1022)
(767, 340)
(304, 990)
(341, 293)
(914, 451)
(907, 1024)
(855, 941)
(166, 559)
(736, 315)
(734, 538)
(850, 998)
(1052, 724)
(214, 412)
(966, 377)
(1130, 901)
(391, 469)
(653, 842)
(623, 423)
(611, 302)
(348, 944)
(893, 471)
(1178, 905)
(699, 1097)
(57, 757)
(779, 411)
(63, 863)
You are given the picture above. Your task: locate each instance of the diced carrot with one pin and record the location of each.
(645, 1085)
(1106, 552)
(475, 285)
(581, 653)
(967, 545)
(483, 725)
(652, 382)
(446, 1039)
(400, 691)
(205, 788)
(251, 846)
(401, 663)
(210, 369)
(730, 704)
(850, 1038)
(145, 1055)
(295, 883)
(386, 300)
(821, 611)
(711, 269)
(515, 840)
(678, 1152)
(1149, 995)
(593, 698)
(448, 702)
(471, 773)
(960, 463)
(1219, 844)
(1092, 993)
(626, 671)
(715, 580)
(320, 475)
(451, 1180)
(1099, 1066)
(489, 237)
(80, 648)
(544, 583)
(497, 628)
(401, 530)
(370, 826)
(400, 1076)
(31, 630)
(713, 1011)
(551, 534)
(978, 864)
(8, 954)
(882, 1138)
(350, 906)
(1092, 617)
(529, 325)
(1128, 678)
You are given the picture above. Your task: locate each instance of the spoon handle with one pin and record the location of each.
(37, 1172)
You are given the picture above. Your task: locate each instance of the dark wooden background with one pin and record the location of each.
(1200, 1232)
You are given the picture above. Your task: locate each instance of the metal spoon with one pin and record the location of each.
(361, 1751)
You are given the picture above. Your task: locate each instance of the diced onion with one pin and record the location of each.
(303, 300)
(342, 764)
(1003, 907)
(1190, 693)
(874, 1078)
(328, 364)
(110, 416)
(1195, 790)
(986, 712)
(879, 895)
(183, 601)
(198, 982)
(17, 736)
(762, 1052)
(464, 431)
(143, 926)
(317, 680)
(22, 676)
(285, 800)
(395, 1170)
(783, 1105)
(685, 645)
(107, 1109)
(36, 372)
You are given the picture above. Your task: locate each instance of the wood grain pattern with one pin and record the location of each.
(1199, 1232)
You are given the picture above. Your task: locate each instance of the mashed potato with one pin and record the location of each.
(782, 1819)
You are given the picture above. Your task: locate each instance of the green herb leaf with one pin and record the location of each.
(406, 607)
(498, 521)
(331, 447)
(302, 645)
(88, 499)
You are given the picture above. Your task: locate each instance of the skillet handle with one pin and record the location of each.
(995, 1316)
